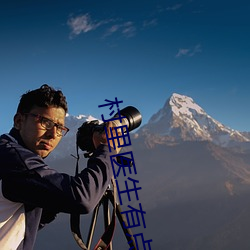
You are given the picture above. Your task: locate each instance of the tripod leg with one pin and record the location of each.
(106, 215)
(93, 224)
(123, 222)
(127, 231)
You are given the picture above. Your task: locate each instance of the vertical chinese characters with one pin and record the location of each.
(123, 164)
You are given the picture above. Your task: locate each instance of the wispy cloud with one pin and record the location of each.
(127, 29)
(174, 7)
(150, 23)
(189, 51)
(182, 52)
(83, 24)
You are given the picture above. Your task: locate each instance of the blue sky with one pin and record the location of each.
(138, 51)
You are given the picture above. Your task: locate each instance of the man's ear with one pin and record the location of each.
(18, 119)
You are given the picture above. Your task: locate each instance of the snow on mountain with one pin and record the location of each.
(67, 146)
(182, 119)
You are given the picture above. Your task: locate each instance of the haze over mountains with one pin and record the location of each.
(195, 179)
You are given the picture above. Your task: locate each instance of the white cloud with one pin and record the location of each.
(189, 52)
(150, 23)
(182, 52)
(174, 7)
(127, 29)
(83, 24)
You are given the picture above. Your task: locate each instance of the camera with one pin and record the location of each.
(128, 116)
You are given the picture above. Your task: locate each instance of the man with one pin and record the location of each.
(28, 187)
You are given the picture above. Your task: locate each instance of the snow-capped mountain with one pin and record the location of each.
(67, 146)
(182, 119)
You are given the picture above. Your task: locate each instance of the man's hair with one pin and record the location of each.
(45, 96)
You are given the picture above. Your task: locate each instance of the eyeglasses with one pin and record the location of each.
(49, 124)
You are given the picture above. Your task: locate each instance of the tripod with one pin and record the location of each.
(106, 240)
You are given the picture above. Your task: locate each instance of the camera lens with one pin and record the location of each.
(130, 117)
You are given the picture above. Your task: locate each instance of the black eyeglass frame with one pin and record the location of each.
(60, 129)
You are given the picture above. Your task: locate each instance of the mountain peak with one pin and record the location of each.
(182, 119)
(182, 104)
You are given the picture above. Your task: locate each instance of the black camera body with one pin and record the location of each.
(128, 116)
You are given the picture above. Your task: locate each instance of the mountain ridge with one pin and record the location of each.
(182, 119)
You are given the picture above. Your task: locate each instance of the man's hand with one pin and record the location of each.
(100, 138)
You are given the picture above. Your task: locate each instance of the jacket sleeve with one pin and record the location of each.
(27, 179)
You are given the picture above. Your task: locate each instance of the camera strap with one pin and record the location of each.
(75, 229)
(75, 218)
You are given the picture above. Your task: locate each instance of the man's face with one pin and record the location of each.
(35, 137)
